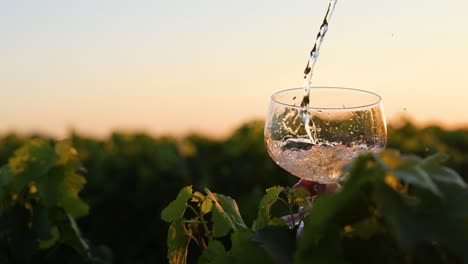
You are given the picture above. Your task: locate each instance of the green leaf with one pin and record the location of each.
(367, 228)
(404, 222)
(54, 238)
(215, 253)
(388, 159)
(71, 202)
(31, 162)
(50, 187)
(327, 250)
(73, 182)
(417, 176)
(433, 166)
(226, 215)
(231, 209)
(75, 206)
(60, 188)
(221, 223)
(177, 243)
(53, 172)
(447, 175)
(277, 221)
(435, 160)
(279, 242)
(455, 203)
(56, 179)
(243, 250)
(330, 213)
(246, 250)
(270, 198)
(410, 169)
(414, 225)
(68, 156)
(175, 210)
(300, 196)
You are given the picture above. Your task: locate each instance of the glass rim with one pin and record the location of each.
(365, 106)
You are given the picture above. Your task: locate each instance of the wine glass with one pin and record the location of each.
(316, 141)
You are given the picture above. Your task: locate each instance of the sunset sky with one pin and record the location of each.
(174, 67)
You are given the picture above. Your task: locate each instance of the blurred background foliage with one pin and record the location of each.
(132, 177)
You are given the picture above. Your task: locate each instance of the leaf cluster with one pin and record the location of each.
(39, 203)
(209, 219)
(393, 208)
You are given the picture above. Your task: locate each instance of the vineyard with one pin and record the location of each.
(86, 200)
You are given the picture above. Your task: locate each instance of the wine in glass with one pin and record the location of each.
(314, 142)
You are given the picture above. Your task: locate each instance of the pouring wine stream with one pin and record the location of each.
(309, 71)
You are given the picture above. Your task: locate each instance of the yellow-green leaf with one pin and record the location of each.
(175, 210)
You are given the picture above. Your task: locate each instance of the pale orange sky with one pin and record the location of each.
(174, 67)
